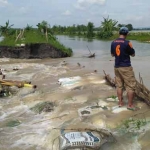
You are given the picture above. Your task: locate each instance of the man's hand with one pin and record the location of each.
(133, 55)
(112, 55)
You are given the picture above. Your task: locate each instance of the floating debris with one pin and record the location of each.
(84, 138)
(109, 79)
(43, 107)
(19, 84)
(117, 109)
(69, 82)
(84, 111)
(141, 91)
(112, 98)
(90, 110)
(134, 125)
(79, 64)
(13, 123)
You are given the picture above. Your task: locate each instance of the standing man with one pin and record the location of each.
(122, 50)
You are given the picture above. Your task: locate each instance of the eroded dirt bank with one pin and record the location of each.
(39, 50)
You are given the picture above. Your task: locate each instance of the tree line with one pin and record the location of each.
(105, 30)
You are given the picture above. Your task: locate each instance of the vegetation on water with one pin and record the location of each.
(43, 107)
(133, 125)
(29, 35)
(113, 97)
(13, 123)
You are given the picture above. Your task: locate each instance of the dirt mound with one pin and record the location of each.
(39, 50)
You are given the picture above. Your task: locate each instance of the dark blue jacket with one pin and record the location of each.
(122, 49)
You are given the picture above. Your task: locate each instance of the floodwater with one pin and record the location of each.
(73, 90)
(103, 60)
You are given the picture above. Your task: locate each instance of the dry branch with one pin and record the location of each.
(141, 91)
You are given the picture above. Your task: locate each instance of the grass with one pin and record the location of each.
(140, 36)
(133, 124)
(34, 36)
(113, 96)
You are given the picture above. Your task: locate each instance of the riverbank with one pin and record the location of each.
(38, 50)
(140, 36)
(32, 44)
(81, 99)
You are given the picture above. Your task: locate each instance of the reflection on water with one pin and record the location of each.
(103, 59)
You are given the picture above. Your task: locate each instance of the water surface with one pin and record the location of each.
(103, 60)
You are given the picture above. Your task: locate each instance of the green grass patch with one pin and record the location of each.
(113, 96)
(32, 37)
(139, 36)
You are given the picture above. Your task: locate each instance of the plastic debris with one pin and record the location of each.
(86, 138)
(69, 82)
(117, 109)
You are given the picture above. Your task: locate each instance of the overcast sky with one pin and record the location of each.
(69, 12)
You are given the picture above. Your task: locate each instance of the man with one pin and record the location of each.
(122, 50)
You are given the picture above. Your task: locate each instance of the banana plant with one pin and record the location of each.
(107, 27)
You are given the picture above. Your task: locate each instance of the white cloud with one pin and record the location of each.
(135, 18)
(67, 13)
(101, 2)
(82, 4)
(23, 10)
(77, 6)
(3, 3)
(88, 20)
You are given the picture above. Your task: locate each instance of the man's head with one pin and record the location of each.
(123, 31)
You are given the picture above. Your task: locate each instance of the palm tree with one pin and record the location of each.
(4, 29)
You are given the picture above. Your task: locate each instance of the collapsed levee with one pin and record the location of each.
(141, 91)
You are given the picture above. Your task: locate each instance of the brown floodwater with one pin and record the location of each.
(81, 100)
(35, 131)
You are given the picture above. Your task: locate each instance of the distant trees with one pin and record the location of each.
(129, 26)
(104, 31)
(90, 29)
(71, 30)
(75, 29)
(28, 27)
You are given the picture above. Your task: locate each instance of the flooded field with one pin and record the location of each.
(68, 97)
